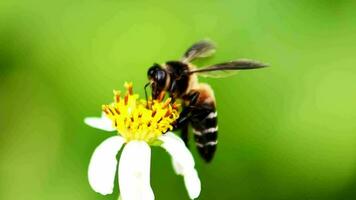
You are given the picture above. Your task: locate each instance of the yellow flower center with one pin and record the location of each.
(137, 119)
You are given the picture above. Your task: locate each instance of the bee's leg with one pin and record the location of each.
(192, 97)
(183, 124)
(173, 86)
(183, 118)
(184, 134)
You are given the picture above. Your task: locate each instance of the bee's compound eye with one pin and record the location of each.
(152, 71)
(160, 77)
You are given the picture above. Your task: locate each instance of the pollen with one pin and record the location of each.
(138, 119)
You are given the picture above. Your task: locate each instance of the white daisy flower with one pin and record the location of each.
(139, 125)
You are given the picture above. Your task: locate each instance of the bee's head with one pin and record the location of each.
(158, 78)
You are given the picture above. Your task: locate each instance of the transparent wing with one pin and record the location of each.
(227, 68)
(200, 49)
(217, 74)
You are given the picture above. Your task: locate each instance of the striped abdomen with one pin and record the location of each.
(205, 132)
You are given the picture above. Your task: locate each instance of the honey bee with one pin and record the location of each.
(180, 80)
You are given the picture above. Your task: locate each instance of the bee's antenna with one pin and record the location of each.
(147, 84)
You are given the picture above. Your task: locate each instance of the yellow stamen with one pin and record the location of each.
(134, 120)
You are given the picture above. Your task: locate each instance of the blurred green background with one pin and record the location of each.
(286, 132)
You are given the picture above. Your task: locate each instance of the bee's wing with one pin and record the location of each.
(200, 49)
(227, 68)
(217, 74)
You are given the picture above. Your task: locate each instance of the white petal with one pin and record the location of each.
(134, 172)
(102, 123)
(192, 183)
(182, 159)
(183, 162)
(103, 163)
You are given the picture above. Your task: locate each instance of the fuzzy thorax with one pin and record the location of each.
(137, 119)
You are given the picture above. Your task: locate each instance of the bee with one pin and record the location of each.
(180, 80)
